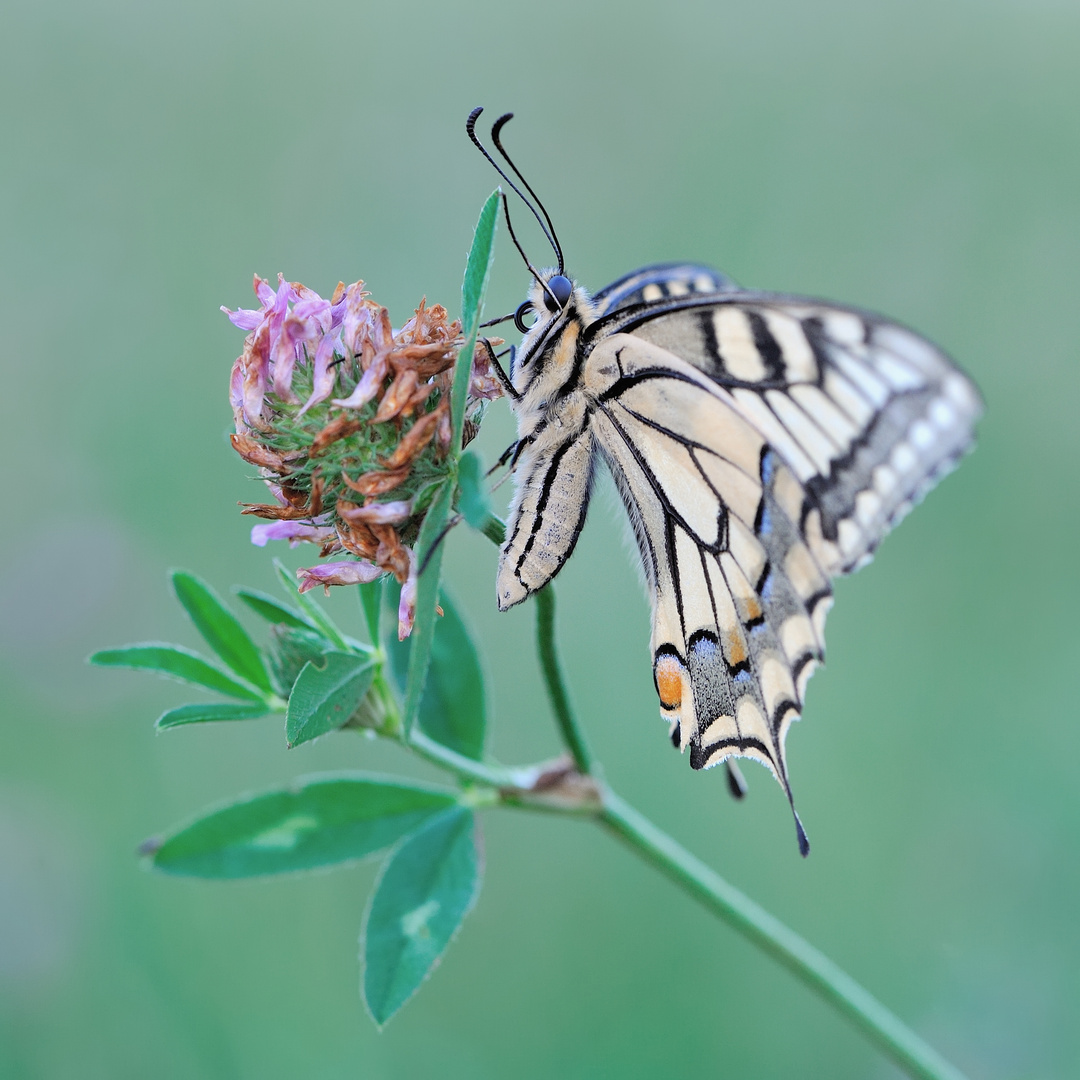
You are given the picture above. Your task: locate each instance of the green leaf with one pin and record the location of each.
(426, 888)
(452, 709)
(427, 590)
(319, 821)
(220, 628)
(178, 663)
(371, 604)
(478, 266)
(326, 694)
(473, 497)
(318, 618)
(477, 272)
(271, 609)
(201, 714)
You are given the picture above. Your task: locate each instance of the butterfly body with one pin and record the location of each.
(762, 444)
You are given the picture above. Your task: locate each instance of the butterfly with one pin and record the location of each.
(762, 445)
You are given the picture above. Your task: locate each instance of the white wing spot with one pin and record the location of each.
(843, 327)
(943, 415)
(704, 283)
(884, 480)
(850, 536)
(867, 506)
(677, 288)
(903, 458)
(652, 292)
(922, 435)
(958, 389)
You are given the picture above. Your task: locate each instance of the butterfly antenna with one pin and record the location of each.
(470, 127)
(521, 251)
(549, 232)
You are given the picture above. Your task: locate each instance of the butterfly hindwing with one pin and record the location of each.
(739, 600)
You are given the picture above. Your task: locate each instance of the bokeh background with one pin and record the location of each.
(921, 159)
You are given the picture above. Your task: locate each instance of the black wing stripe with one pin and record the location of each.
(654, 483)
(683, 440)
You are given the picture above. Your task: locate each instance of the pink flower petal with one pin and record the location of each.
(380, 513)
(245, 318)
(294, 332)
(276, 312)
(263, 291)
(350, 572)
(407, 603)
(256, 365)
(322, 373)
(368, 386)
(236, 395)
(293, 531)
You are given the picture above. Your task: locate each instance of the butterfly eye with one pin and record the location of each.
(522, 313)
(559, 289)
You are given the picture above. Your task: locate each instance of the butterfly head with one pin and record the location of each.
(555, 305)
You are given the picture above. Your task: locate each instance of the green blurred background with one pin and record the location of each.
(922, 159)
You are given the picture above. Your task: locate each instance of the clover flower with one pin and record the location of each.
(348, 423)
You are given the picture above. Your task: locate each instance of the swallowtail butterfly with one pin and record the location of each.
(762, 444)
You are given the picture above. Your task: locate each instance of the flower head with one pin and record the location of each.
(348, 423)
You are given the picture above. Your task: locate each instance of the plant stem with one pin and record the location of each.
(463, 767)
(569, 728)
(897, 1041)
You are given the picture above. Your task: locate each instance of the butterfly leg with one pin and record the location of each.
(508, 387)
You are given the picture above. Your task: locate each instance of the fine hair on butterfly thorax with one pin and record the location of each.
(762, 444)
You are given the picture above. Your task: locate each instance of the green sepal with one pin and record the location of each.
(317, 821)
(176, 662)
(427, 886)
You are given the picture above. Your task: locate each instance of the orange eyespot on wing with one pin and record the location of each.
(668, 673)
